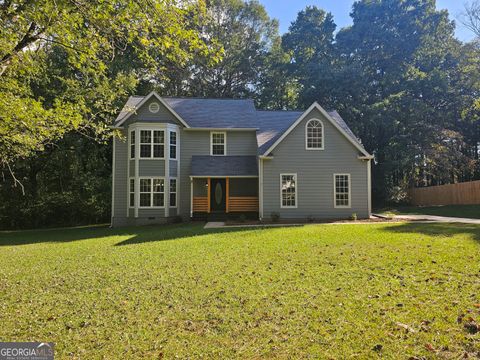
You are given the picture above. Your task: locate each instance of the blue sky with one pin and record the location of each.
(286, 11)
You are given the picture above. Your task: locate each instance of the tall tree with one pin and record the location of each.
(310, 43)
(91, 35)
(246, 34)
(404, 55)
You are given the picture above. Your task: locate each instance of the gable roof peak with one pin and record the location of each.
(333, 117)
(130, 112)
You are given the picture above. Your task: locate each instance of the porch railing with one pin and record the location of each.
(243, 204)
(200, 204)
(234, 204)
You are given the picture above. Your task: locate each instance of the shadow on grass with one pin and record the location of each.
(136, 235)
(437, 229)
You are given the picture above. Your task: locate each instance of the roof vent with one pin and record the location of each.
(154, 107)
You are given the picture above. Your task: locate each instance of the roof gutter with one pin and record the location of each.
(369, 157)
(219, 129)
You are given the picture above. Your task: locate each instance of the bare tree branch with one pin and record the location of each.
(471, 17)
(15, 180)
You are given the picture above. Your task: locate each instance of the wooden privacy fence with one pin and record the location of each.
(453, 194)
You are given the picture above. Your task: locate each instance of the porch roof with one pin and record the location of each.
(204, 165)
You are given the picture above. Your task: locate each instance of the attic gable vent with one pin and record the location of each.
(154, 107)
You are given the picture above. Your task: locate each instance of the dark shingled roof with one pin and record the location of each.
(272, 124)
(215, 113)
(204, 165)
(233, 113)
(206, 113)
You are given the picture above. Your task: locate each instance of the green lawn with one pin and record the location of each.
(328, 291)
(464, 211)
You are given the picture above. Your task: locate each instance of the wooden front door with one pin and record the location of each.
(218, 198)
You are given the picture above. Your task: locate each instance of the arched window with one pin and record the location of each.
(314, 135)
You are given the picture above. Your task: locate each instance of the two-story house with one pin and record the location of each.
(213, 158)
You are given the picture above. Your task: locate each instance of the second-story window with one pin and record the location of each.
(173, 144)
(218, 141)
(314, 135)
(152, 144)
(132, 144)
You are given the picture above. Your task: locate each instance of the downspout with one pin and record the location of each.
(369, 182)
(113, 183)
(260, 188)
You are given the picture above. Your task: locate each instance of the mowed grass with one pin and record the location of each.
(462, 211)
(321, 291)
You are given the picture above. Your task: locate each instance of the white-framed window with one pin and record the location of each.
(131, 193)
(132, 144)
(288, 190)
(173, 192)
(173, 145)
(314, 135)
(152, 192)
(218, 143)
(152, 144)
(342, 193)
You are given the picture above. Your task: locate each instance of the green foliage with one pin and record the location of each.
(246, 34)
(397, 75)
(67, 184)
(294, 292)
(310, 43)
(89, 36)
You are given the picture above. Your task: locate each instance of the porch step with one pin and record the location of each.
(217, 217)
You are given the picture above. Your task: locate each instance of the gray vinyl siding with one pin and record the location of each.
(315, 169)
(151, 168)
(120, 185)
(241, 143)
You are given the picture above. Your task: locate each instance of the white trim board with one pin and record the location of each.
(145, 99)
(315, 105)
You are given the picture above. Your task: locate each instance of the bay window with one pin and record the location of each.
(152, 144)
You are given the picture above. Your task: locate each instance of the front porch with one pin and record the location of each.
(224, 197)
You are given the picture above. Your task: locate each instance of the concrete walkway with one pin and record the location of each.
(434, 218)
(416, 218)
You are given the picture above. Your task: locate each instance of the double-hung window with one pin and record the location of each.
(173, 192)
(173, 145)
(152, 144)
(131, 201)
(218, 142)
(132, 144)
(288, 190)
(152, 192)
(342, 190)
